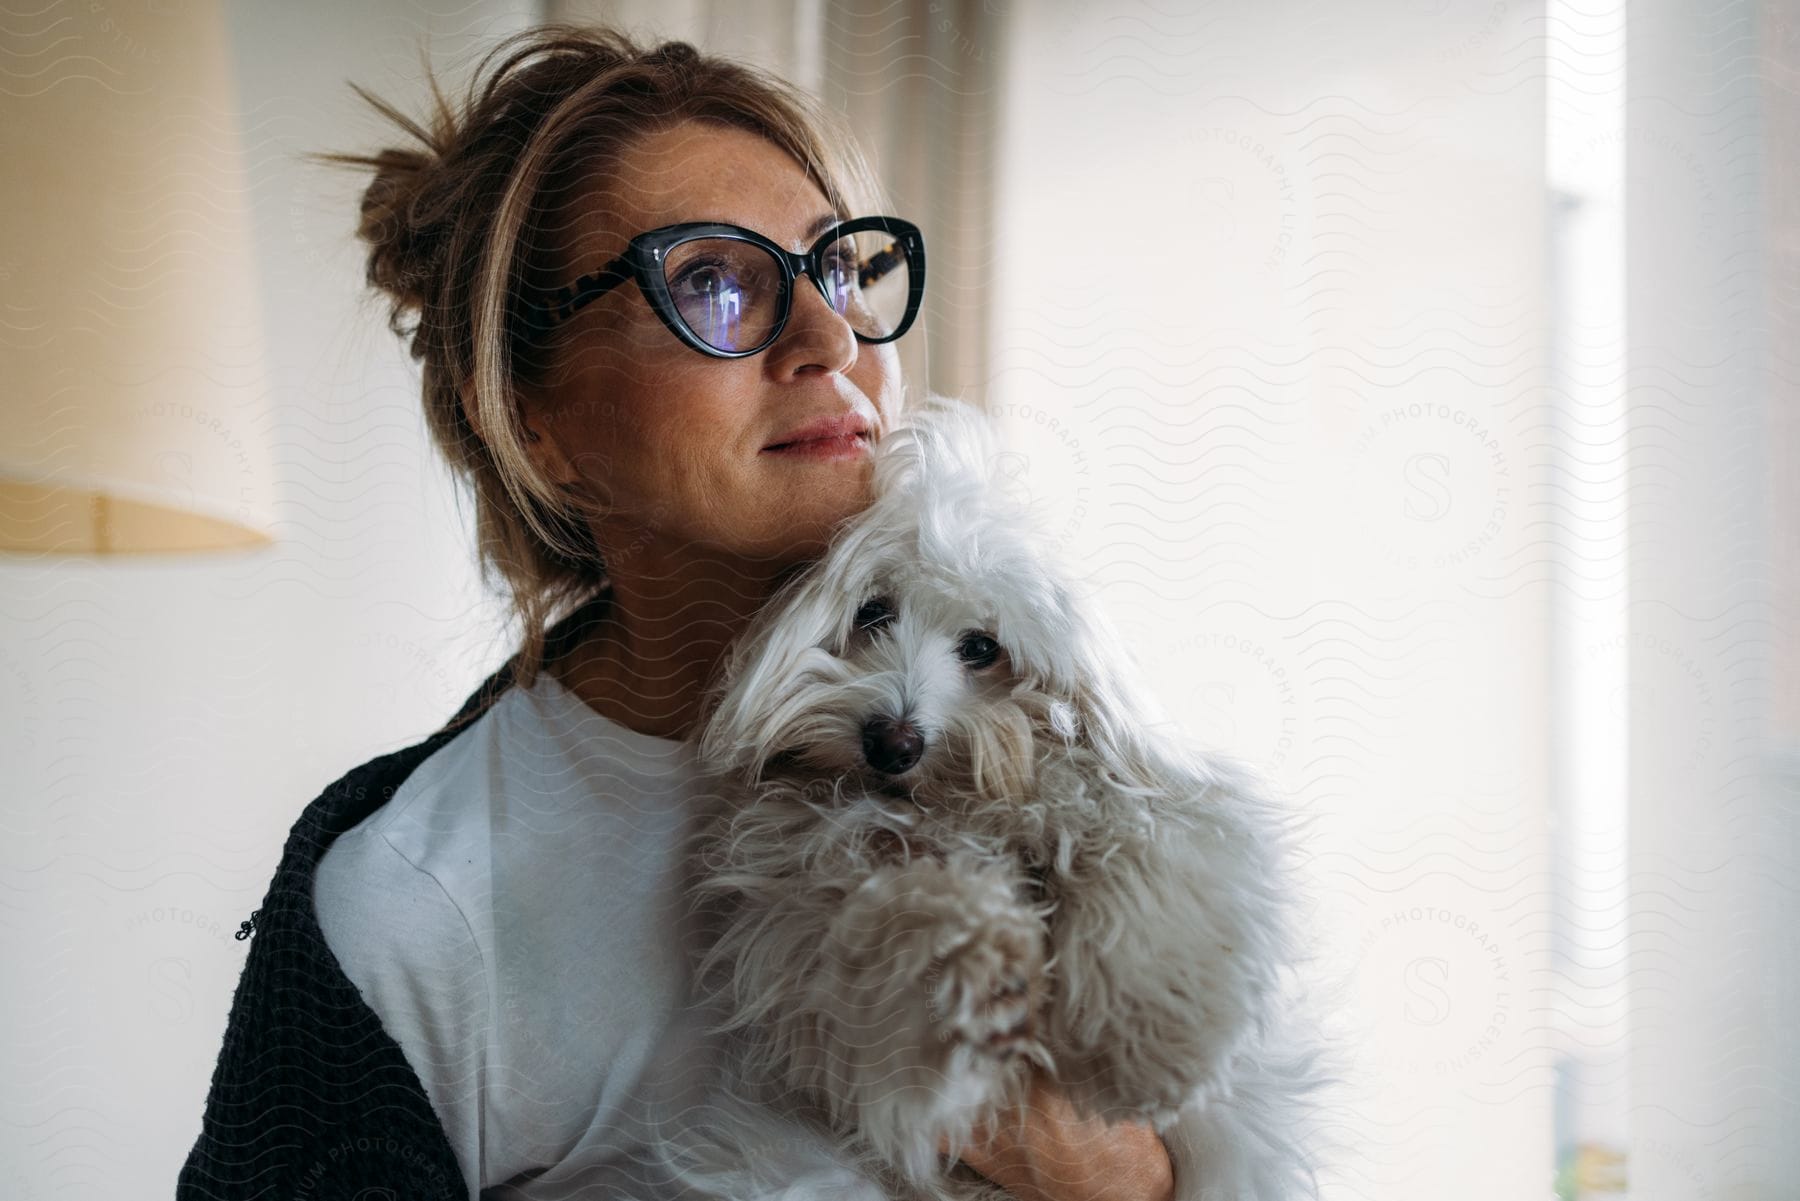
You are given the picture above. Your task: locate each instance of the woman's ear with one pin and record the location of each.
(541, 442)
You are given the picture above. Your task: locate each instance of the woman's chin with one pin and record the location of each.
(804, 541)
(801, 521)
(830, 504)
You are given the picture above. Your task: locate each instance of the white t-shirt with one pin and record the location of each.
(513, 916)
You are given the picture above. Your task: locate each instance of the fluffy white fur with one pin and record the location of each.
(1059, 880)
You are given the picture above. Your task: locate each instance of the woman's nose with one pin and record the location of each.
(816, 334)
(890, 746)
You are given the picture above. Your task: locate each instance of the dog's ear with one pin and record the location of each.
(1100, 700)
(788, 643)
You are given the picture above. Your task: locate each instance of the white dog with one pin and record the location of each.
(952, 842)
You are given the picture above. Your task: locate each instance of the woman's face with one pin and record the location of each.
(676, 442)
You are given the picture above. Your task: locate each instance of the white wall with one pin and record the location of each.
(164, 722)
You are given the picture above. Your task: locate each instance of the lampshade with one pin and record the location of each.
(133, 415)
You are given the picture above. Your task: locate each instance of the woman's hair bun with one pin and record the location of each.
(401, 259)
(406, 219)
(674, 54)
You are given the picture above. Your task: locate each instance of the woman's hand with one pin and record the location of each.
(1061, 1157)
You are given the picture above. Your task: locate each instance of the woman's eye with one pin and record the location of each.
(978, 650)
(706, 277)
(874, 613)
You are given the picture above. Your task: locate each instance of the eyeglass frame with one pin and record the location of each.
(643, 260)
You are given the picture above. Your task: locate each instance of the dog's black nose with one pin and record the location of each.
(891, 747)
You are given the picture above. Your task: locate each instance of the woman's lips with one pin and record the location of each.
(844, 446)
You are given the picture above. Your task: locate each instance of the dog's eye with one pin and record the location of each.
(977, 649)
(874, 613)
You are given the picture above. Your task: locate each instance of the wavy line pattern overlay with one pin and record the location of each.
(1418, 378)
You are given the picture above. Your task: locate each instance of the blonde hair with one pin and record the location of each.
(457, 229)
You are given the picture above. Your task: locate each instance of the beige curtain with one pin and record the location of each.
(920, 82)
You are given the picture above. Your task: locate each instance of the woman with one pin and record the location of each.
(485, 922)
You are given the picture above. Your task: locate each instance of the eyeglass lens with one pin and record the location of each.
(728, 291)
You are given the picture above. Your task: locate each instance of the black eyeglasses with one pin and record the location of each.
(727, 291)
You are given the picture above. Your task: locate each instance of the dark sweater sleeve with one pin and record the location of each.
(311, 1098)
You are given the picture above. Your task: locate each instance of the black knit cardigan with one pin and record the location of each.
(311, 1097)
